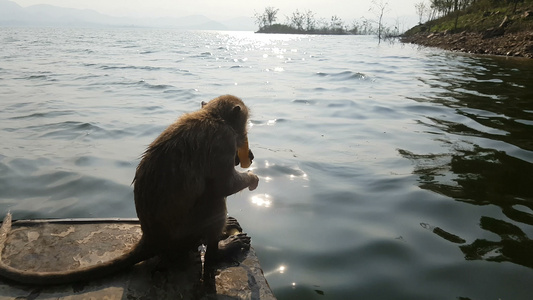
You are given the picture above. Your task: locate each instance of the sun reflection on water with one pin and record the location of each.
(262, 200)
(280, 270)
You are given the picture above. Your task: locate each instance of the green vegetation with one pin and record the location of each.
(496, 27)
(473, 16)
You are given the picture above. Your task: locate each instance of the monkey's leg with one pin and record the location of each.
(224, 250)
(230, 248)
(233, 242)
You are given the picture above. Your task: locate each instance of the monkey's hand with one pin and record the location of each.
(254, 181)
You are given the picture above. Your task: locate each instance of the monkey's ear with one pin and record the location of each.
(204, 104)
(236, 110)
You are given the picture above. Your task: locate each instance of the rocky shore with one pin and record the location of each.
(518, 44)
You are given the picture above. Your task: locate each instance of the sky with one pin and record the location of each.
(347, 10)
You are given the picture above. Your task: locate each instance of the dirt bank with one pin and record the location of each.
(489, 42)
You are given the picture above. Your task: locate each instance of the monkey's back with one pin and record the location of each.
(171, 179)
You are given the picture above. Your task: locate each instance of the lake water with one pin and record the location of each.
(386, 171)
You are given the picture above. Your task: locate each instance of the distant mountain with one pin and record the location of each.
(12, 14)
(10, 11)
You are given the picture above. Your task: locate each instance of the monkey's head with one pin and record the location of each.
(230, 109)
(234, 113)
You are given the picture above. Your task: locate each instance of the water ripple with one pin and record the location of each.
(356, 145)
(345, 75)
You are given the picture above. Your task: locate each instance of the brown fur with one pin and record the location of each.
(180, 189)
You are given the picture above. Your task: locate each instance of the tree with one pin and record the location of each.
(297, 20)
(456, 11)
(310, 22)
(322, 25)
(443, 7)
(337, 25)
(379, 8)
(515, 4)
(260, 20)
(267, 18)
(420, 10)
(270, 13)
(355, 27)
(366, 26)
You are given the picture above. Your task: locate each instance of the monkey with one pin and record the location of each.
(180, 190)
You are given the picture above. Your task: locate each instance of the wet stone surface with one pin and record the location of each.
(53, 245)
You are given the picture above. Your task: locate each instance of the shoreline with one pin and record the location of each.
(519, 44)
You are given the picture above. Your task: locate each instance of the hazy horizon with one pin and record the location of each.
(402, 11)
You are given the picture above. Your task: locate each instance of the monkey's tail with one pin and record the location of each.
(136, 254)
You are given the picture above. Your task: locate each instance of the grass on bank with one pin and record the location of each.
(479, 18)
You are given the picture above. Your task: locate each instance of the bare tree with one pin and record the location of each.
(432, 13)
(355, 27)
(366, 26)
(379, 8)
(337, 25)
(267, 18)
(456, 11)
(310, 22)
(322, 25)
(420, 8)
(297, 20)
(260, 19)
(270, 15)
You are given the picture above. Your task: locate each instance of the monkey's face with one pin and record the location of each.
(238, 160)
(235, 114)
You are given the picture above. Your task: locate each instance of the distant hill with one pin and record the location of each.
(12, 14)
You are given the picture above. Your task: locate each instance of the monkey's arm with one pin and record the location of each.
(232, 182)
(242, 180)
(226, 180)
